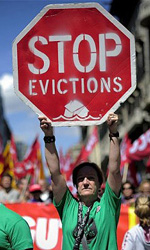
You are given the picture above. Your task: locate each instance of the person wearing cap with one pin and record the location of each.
(87, 222)
(35, 193)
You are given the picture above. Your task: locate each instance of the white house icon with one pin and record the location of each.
(75, 108)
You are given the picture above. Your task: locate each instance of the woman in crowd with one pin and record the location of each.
(144, 187)
(138, 237)
(128, 193)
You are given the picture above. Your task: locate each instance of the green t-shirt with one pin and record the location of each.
(14, 231)
(103, 220)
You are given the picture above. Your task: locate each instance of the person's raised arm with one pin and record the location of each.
(58, 182)
(114, 176)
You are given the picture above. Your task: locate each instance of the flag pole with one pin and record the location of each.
(22, 195)
(125, 172)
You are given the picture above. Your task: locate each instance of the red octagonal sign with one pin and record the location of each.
(74, 63)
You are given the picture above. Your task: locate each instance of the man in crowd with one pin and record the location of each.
(89, 222)
(7, 193)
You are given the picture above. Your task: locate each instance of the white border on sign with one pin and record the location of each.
(111, 19)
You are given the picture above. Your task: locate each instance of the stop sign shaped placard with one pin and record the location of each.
(74, 63)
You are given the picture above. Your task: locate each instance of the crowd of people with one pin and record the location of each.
(130, 192)
(24, 192)
(138, 237)
(89, 221)
(42, 191)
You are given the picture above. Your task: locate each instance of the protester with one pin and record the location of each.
(23, 188)
(138, 237)
(97, 229)
(7, 193)
(144, 187)
(35, 193)
(14, 231)
(128, 193)
(46, 188)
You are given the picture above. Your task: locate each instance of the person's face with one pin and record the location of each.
(6, 182)
(36, 195)
(146, 188)
(43, 185)
(87, 183)
(23, 184)
(127, 190)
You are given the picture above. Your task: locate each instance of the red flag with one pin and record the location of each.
(65, 164)
(33, 150)
(127, 166)
(124, 149)
(66, 169)
(148, 162)
(88, 148)
(33, 162)
(70, 183)
(20, 170)
(132, 174)
(140, 147)
(11, 164)
(13, 150)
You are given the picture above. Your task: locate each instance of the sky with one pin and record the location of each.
(23, 122)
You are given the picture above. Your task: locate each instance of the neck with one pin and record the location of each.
(7, 189)
(87, 202)
(128, 197)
